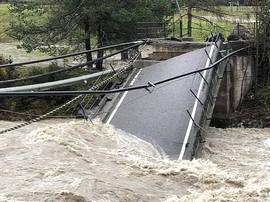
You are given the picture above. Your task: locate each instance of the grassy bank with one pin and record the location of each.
(224, 23)
(4, 23)
(201, 29)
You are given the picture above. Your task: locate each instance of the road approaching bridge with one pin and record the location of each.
(166, 115)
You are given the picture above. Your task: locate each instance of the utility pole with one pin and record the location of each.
(180, 20)
(189, 26)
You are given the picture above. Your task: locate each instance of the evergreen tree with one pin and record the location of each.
(45, 23)
(199, 4)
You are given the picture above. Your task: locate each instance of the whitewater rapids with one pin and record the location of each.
(60, 160)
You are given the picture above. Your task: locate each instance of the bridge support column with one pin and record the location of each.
(237, 81)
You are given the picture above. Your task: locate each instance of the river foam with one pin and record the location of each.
(57, 160)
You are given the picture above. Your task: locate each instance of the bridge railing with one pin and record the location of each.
(203, 117)
(214, 85)
(202, 108)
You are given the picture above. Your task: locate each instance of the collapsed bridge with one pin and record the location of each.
(169, 104)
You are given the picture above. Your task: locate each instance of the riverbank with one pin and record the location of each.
(254, 112)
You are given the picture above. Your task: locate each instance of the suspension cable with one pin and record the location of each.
(71, 54)
(124, 69)
(72, 67)
(102, 92)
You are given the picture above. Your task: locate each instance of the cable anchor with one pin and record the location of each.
(150, 85)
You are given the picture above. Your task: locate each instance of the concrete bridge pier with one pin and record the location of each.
(238, 79)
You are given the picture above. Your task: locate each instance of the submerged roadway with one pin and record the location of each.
(165, 115)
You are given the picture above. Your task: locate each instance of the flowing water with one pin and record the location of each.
(60, 160)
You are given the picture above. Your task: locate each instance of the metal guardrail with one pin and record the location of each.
(65, 69)
(202, 120)
(74, 100)
(59, 83)
(205, 100)
(150, 84)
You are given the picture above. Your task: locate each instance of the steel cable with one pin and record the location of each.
(70, 68)
(124, 69)
(145, 86)
(71, 54)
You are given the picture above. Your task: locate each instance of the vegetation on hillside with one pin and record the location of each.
(43, 23)
(58, 26)
(206, 19)
(4, 22)
(201, 26)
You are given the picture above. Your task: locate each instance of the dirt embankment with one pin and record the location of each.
(254, 112)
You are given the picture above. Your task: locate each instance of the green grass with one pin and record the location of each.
(247, 12)
(4, 22)
(239, 11)
(202, 28)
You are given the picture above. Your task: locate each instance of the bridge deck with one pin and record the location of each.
(161, 117)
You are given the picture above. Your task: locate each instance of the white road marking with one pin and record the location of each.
(122, 98)
(195, 107)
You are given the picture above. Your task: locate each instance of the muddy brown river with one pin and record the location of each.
(60, 160)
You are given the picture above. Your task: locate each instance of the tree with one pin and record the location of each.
(41, 24)
(262, 42)
(199, 4)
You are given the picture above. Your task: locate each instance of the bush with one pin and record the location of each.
(6, 73)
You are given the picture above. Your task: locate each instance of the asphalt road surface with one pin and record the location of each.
(160, 116)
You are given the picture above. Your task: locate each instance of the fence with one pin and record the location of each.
(152, 30)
